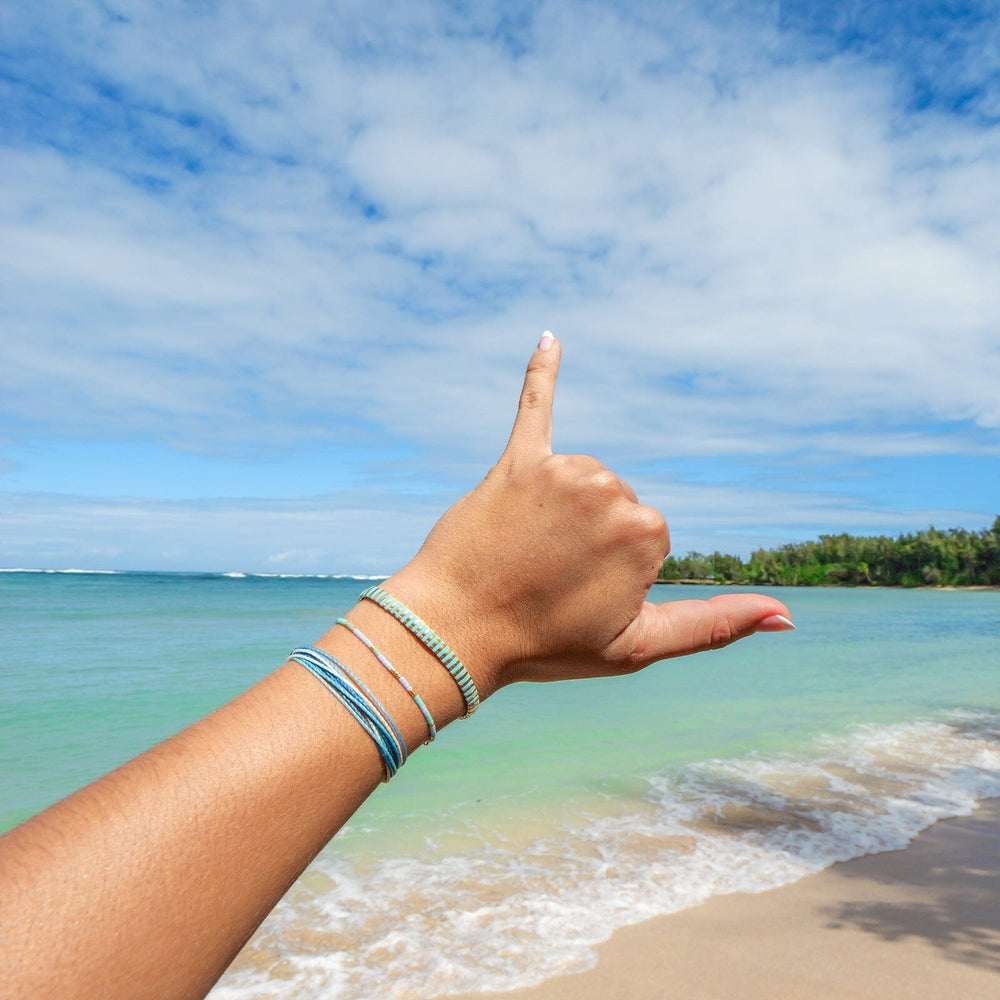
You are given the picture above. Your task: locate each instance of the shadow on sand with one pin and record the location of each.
(944, 889)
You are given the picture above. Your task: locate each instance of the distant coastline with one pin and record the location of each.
(855, 586)
(955, 559)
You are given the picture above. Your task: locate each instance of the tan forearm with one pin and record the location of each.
(156, 874)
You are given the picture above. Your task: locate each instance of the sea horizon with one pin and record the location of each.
(241, 574)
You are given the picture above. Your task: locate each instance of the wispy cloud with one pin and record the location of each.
(764, 232)
(351, 531)
(368, 531)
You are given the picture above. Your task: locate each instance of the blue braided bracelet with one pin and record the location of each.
(359, 702)
(362, 638)
(431, 640)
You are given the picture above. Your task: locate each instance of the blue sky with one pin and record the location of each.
(269, 273)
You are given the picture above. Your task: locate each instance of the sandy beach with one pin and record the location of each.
(921, 924)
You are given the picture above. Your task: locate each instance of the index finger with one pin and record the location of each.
(533, 423)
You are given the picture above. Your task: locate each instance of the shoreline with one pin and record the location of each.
(922, 923)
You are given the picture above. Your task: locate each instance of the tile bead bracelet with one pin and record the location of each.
(431, 640)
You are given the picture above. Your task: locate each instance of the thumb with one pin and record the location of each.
(681, 627)
(533, 424)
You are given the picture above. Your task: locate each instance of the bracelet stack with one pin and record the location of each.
(352, 693)
(359, 701)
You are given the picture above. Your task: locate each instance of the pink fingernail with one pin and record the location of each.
(546, 342)
(774, 623)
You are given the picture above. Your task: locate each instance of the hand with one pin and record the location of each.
(541, 572)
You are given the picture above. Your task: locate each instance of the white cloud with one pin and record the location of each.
(373, 531)
(252, 228)
(346, 532)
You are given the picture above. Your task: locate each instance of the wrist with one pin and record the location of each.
(415, 625)
(436, 691)
(452, 610)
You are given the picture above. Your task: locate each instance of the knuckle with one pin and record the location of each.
(645, 528)
(627, 655)
(605, 482)
(537, 389)
(722, 634)
(582, 465)
(558, 465)
(503, 470)
(650, 521)
(632, 663)
(533, 397)
(574, 468)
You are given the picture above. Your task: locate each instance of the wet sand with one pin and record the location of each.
(920, 924)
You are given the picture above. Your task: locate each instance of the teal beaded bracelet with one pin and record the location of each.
(431, 640)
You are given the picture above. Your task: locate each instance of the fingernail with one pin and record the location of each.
(546, 342)
(774, 623)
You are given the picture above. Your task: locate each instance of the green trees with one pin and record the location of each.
(955, 557)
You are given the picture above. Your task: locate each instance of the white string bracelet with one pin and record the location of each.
(361, 637)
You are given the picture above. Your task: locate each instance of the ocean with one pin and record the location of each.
(503, 853)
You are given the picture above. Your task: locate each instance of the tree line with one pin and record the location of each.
(930, 558)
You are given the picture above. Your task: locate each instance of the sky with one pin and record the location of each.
(270, 273)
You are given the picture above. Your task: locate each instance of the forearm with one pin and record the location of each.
(156, 874)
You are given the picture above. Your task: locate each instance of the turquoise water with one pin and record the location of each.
(741, 768)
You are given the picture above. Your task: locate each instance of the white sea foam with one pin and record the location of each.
(289, 576)
(310, 576)
(236, 575)
(233, 574)
(496, 918)
(80, 572)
